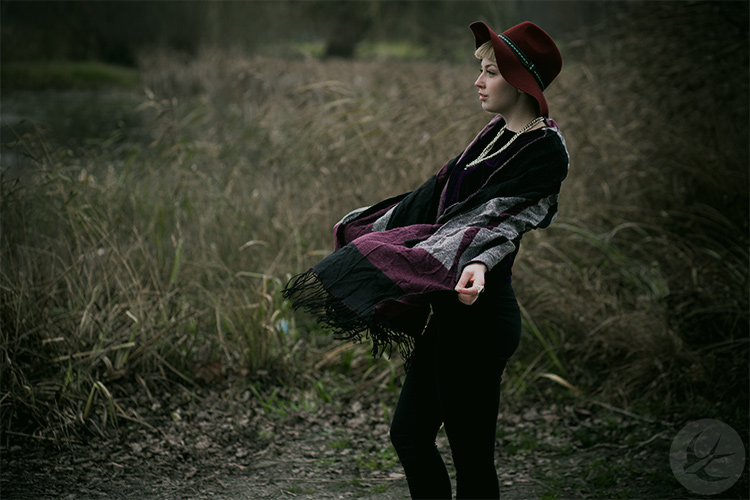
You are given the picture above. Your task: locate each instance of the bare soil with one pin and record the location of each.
(228, 445)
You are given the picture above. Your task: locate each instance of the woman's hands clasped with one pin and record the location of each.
(471, 283)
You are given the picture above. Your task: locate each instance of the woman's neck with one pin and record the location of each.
(516, 122)
(520, 114)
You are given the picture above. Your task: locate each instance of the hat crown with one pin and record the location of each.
(539, 47)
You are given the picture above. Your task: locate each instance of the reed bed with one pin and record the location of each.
(130, 266)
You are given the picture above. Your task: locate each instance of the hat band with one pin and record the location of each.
(524, 60)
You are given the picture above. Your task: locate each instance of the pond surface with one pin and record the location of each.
(69, 119)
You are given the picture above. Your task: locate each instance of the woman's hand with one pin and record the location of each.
(471, 283)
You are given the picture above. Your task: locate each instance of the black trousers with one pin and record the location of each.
(454, 380)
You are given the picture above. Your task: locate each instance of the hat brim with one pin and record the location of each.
(510, 67)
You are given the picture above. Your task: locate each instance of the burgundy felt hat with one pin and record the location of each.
(526, 55)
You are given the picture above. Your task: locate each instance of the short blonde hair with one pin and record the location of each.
(486, 51)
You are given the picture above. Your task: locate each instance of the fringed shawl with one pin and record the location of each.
(391, 258)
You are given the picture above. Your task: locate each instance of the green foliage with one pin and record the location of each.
(382, 459)
(393, 51)
(65, 75)
(339, 444)
(118, 31)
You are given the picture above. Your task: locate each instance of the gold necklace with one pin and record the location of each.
(484, 154)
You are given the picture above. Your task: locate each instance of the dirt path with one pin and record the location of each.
(228, 446)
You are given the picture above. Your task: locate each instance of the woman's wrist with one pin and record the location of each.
(478, 263)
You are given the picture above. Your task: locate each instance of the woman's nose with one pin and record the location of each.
(479, 81)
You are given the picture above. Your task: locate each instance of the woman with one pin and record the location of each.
(441, 256)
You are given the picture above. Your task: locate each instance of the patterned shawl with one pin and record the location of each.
(391, 258)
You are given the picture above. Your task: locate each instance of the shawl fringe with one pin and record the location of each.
(308, 294)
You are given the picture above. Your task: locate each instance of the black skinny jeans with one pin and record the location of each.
(454, 380)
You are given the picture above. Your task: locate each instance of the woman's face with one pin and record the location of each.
(496, 94)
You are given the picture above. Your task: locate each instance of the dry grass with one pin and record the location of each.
(648, 263)
(129, 266)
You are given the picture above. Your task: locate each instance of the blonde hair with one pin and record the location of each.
(486, 51)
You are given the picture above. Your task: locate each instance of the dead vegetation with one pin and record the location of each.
(145, 266)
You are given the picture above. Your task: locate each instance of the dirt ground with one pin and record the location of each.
(229, 446)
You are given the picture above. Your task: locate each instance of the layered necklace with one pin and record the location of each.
(484, 155)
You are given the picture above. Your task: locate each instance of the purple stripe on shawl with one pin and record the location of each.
(344, 233)
(466, 241)
(388, 252)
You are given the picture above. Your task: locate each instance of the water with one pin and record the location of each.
(70, 119)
